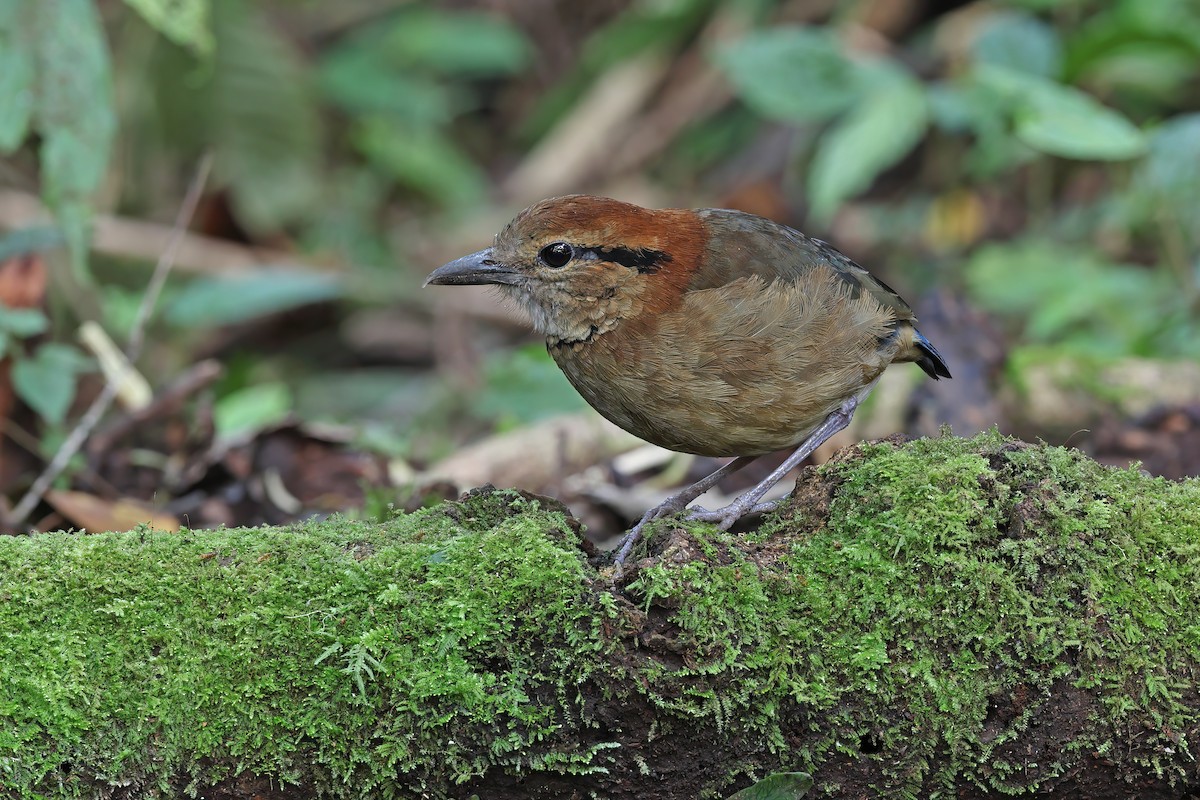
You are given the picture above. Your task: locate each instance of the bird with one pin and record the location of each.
(708, 331)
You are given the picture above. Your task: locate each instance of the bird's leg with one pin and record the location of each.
(676, 503)
(748, 502)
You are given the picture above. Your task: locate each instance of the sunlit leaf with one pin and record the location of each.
(185, 22)
(780, 786)
(18, 55)
(225, 300)
(46, 379)
(251, 409)
(1019, 42)
(1061, 120)
(791, 73)
(880, 130)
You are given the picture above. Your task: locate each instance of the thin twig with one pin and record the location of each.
(137, 338)
(167, 401)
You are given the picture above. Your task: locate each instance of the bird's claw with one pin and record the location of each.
(665, 509)
(724, 518)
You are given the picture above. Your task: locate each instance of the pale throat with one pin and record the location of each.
(566, 317)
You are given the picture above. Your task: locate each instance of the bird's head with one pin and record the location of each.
(581, 265)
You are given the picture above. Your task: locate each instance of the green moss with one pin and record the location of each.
(933, 600)
(948, 574)
(146, 656)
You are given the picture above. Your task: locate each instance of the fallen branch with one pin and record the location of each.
(140, 240)
(971, 618)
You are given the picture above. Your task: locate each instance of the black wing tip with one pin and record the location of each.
(932, 361)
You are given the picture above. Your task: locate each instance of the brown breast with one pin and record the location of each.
(745, 368)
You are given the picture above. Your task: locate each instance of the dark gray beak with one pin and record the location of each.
(473, 269)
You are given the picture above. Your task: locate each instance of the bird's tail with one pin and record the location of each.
(931, 360)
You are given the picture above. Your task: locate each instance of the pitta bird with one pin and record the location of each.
(706, 331)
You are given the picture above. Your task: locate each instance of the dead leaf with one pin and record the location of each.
(96, 514)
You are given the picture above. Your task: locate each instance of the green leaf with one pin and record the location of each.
(421, 159)
(780, 786)
(640, 28)
(792, 73)
(359, 78)
(1172, 167)
(46, 380)
(881, 129)
(252, 105)
(1080, 300)
(185, 22)
(525, 385)
(261, 115)
(460, 43)
(1020, 42)
(1150, 73)
(18, 55)
(1061, 120)
(1080, 128)
(1166, 185)
(251, 409)
(29, 240)
(225, 300)
(22, 322)
(73, 112)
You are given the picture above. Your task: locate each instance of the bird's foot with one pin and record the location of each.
(725, 518)
(672, 505)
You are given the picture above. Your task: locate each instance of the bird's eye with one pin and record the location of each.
(556, 255)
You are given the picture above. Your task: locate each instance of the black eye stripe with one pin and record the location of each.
(558, 254)
(643, 260)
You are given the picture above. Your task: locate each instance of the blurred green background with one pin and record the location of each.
(1039, 159)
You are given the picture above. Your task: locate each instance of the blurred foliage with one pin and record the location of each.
(252, 103)
(1043, 155)
(185, 22)
(46, 379)
(402, 83)
(55, 82)
(524, 385)
(248, 410)
(1078, 299)
(222, 300)
(43, 377)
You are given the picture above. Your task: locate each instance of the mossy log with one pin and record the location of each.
(939, 618)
